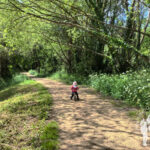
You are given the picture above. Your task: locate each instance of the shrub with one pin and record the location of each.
(33, 72)
(133, 87)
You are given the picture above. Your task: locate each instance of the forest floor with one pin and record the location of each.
(93, 123)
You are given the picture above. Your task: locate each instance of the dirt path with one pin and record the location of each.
(92, 123)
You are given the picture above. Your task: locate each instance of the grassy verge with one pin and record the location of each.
(25, 111)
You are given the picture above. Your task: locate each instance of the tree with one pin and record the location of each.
(109, 34)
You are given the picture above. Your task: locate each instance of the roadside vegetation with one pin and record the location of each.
(26, 123)
(131, 87)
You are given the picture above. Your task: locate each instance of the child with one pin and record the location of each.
(74, 89)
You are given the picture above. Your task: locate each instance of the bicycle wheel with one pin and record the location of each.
(75, 97)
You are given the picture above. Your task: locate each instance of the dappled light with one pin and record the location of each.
(92, 123)
(91, 59)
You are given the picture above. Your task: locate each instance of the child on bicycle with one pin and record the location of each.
(74, 89)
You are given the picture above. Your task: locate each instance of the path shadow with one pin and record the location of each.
(91, 123)
(10, 92)
(92, 143)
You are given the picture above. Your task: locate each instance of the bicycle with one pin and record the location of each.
(75, 98)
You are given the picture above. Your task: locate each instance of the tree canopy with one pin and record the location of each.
(81, 36)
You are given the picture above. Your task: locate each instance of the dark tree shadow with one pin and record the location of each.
(10, 92)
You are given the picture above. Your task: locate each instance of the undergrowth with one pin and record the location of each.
(69, 78)
(12, 81)
(132, 87)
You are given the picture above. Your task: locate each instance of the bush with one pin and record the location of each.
(133, 87)
(33, 72)
(109, 84)
(137, 91)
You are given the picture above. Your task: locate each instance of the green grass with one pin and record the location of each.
(49, 137)
(25, 111)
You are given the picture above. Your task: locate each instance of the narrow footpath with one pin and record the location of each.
(92, 123)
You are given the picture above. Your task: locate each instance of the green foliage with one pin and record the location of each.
(145, 49)
(133, 87)
(69, 78)
(137, 91)
(80, 40)
(33, 72)
(148, 1)
(18, 78)
(109, 84)
(42, 73)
